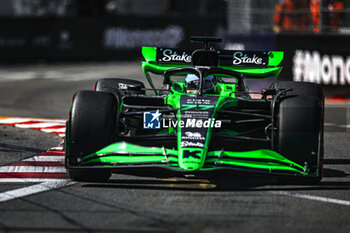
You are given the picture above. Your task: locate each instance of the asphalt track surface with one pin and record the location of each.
(140, 202)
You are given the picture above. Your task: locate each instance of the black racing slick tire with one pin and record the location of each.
(300, 127)
(91, 127)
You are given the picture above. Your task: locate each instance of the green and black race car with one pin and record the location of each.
(203, 118)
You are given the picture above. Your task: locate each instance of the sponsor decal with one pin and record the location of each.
(200, 101)
(311, 66)
(197, 114)
(191, 144)
(192, 136)
(172, 56)
(122, 86)
(243, 58)
(151, 120)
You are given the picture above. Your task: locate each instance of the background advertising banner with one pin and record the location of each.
(97, 38)
(323, 58)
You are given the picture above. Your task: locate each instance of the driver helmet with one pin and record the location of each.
(192, 83)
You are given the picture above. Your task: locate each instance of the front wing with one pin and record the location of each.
(123, 154)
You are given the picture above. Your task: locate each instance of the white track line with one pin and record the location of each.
(62, 130)
(30, 169)
(313, 197)
(336, 125)
(13, 120)
(28, 180)
(33, 189)
(40, 125)
(57, 148)
(17, 120)
(46, 159)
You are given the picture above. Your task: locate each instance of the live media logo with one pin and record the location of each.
(151, 120)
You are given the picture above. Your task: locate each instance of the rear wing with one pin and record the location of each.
(252, 64)
(226, 57)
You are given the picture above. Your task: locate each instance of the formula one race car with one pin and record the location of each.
(202, 118)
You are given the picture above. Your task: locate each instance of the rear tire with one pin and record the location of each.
(300, 127)
(91, 127)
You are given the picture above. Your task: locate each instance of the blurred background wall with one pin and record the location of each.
(313, 33)
(56, 30)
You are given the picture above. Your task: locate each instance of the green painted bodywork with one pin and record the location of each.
(126, 154)
(122, 153)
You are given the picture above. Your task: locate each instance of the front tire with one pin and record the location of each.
(300, 127)
(91, 127)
